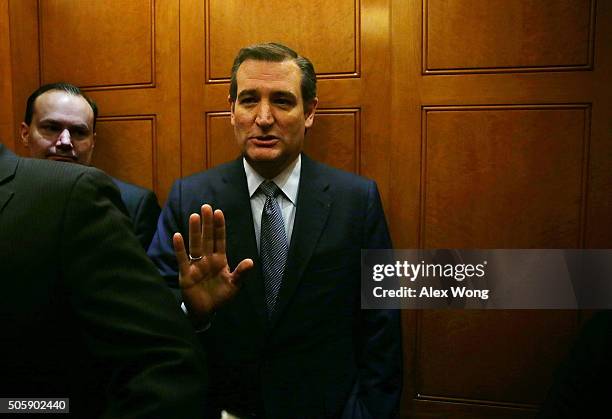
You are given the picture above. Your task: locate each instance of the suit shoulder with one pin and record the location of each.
(59, 181)
(337, 176)
(210, 175)
(58, 173)
(69, 170)
(131, 189)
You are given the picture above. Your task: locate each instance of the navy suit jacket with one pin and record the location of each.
(83, 311)
(320, 355)
(142, 208)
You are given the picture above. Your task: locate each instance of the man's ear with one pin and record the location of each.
(232, 107)
(24, 130)
(309, 112)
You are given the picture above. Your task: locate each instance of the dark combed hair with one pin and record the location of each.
(276, 53)
(62, 86)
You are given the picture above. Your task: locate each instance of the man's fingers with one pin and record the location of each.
(207, 229)
(240, 270)
(219, 223)
(179, 250)
(195, 236)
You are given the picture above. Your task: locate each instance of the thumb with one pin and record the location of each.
(242, 268)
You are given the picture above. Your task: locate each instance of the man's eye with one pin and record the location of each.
(281, 101)
(247, 100)
(49, 127)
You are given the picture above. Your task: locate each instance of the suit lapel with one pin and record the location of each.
(8, 166)
(313, 205)
(236, 205)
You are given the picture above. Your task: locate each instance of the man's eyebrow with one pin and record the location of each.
(49, 120)
(248, 92)
(284, 93)
(57, 122)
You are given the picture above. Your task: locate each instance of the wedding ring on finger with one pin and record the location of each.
(194, 258)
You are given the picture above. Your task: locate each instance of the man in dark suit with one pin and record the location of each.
(84, 313)
(60, 124)
(142, 208)
(293, 343)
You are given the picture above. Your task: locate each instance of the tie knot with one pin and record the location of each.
(270, 189)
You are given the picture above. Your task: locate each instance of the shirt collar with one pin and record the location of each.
(288, 180)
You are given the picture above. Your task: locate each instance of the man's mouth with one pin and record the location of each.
(264, 140)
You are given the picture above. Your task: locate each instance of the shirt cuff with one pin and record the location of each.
(205, 326)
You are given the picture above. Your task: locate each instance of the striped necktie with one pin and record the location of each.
(273, 244)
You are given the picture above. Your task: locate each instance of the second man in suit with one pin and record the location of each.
(60, 124)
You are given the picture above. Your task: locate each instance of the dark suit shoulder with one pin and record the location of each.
(142, 207)
(213, 174)
(334, 172)
(57, 172)
(338, 179)
(208, 186)
(50, 178)
(130, 188)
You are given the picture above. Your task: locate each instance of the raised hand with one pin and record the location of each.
(204, 274)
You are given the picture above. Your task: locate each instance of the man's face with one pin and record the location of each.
(61, 128)
(268, 115)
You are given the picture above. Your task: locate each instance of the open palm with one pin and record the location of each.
(205, 278)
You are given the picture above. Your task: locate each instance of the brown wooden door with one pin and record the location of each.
(501, 140)
(7, 127)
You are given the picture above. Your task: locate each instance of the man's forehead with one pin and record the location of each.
(255, 74)
(57, 104)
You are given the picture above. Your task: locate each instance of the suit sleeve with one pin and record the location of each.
(145, 219)
(377, 392)
(161, 250)
(126, 315)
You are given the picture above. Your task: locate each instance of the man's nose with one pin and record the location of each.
(264, 115)
(63, 140)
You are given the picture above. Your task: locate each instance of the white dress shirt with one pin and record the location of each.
(288, 182)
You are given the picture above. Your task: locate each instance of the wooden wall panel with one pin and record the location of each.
(510, 167)
(116, 38)
(333, 139)
(24, 59)
(507, 35)
(7, 127)
(482, 370)
(599, 221)
(220, 142)
(486, 168)
(329, 36)
(126, 147)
